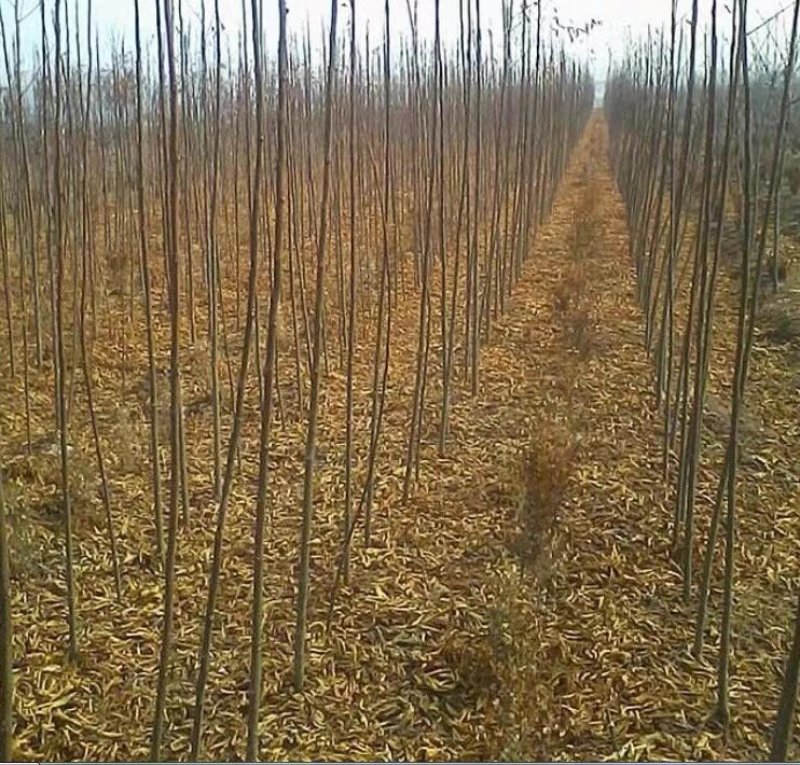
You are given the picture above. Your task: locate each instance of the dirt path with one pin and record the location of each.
(436, 632)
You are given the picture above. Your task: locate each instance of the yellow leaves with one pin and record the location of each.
(635, 750)
(439, 680)
(380, 593)
(54, 704)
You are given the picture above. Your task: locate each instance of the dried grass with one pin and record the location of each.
(580, 332)
(39, 474)
(569, 291)
(532, 675)
(130, 441)
(547, 464)
(36, 523)
(781, 323)
(578, 326)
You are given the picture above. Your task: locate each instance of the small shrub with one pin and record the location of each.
(793, 176)
(141, 390)
(532, 671)
(531, 675)
(195, 367)
(128, 438)
(30, 550)
(283, 334)
(569, 291)
(118, 274)
(580, 332)
(547, 464)
(35, 482)
(474, 663)
(569, 306)
(782, 325)
(562, 298)
(27, 551)
(584, 229)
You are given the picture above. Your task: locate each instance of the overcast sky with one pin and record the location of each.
(620, 20)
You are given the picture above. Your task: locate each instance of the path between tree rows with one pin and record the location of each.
(609, 662)
(420, 662)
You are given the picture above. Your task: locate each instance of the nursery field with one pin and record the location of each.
(386, 400)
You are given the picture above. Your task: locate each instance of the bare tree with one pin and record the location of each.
(313, 407)
(6, 642)
(60, 365)
(171, 248)
(748, 304)
(782, 732)
(351, 303)
(270, 362)
(155, 462)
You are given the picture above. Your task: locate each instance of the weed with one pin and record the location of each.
(782, 325)
(584, 229)
(30, 550)
(533, 672)
(40, 473)
(547, 464)
(475, 664)
(569, 291)
(128, 437)
(580, 332)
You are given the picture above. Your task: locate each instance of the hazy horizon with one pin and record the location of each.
(619, 22)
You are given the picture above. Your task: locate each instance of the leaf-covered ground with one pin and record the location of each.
(440, 648)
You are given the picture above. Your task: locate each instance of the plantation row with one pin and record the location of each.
(698, 144)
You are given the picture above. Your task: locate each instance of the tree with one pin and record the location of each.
(782, 732)
(171, 249)
(270, 362)
(304, 582)
(6, 642)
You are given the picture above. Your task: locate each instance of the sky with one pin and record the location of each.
(620, 20)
